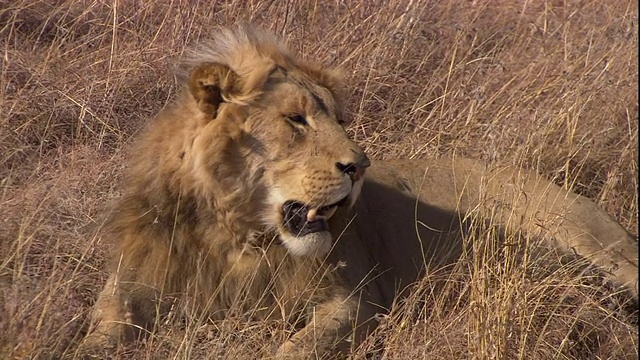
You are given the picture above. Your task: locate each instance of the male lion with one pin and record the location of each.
(243, 194)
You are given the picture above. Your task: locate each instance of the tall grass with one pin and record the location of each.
(547, 85)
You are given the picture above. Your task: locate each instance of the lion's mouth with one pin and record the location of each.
(301, 219)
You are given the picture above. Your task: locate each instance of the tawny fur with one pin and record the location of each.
(201, 223)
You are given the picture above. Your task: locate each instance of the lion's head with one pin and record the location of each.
(272, 123)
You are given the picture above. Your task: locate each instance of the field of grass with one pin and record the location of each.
(551, 86)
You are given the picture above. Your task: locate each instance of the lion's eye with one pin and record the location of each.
(297, 119)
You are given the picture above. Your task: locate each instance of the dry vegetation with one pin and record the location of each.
(548, 85)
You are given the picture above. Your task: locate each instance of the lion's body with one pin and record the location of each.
(207, 220)
(411, 213)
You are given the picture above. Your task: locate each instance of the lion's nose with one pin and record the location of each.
(355, 170)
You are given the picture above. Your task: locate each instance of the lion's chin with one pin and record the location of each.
(305, 229)
(315, 244)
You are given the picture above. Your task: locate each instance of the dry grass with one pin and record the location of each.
(548, 85)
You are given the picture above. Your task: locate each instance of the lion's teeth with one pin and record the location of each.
(311, 215)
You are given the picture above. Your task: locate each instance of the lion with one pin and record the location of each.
(247, 193)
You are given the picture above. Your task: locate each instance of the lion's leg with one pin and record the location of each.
(111, 317)
(328, 330)
(122, 314)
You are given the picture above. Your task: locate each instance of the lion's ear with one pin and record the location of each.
(211, 84)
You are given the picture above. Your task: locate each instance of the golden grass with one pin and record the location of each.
(547, 85)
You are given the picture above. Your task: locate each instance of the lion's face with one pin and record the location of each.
(311, 165)
(293, 130)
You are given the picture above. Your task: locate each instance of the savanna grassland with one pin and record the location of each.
(551, 86)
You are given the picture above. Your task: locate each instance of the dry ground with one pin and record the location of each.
(548, 85)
